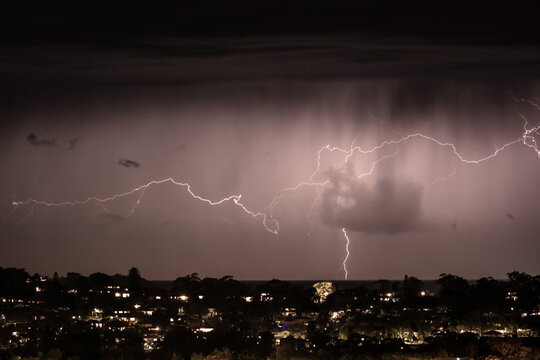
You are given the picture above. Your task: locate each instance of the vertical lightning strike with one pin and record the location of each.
(348, 253)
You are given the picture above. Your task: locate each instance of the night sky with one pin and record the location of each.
(241, 99)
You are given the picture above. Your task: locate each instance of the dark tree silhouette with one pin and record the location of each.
(135, 281)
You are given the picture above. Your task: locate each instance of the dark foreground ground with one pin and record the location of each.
(126, 317)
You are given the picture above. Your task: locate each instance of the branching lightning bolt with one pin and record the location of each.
(268, 220)
(141, 189)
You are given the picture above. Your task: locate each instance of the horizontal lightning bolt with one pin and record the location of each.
(234, 198)
(526, 139)
(268, 220)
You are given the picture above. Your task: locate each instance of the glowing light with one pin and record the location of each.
(205, 330)
(322, 290)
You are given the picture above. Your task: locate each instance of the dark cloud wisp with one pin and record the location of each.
(33, 140)
(129, 163)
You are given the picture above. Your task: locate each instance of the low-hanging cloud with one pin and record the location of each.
(389, 206)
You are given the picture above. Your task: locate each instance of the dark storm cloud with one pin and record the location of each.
(205, 49)
(388, 206)
(128, 163)
(204, 63)
(470, 22)
(33, 140)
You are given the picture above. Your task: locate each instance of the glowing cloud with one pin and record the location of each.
(389, 206)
